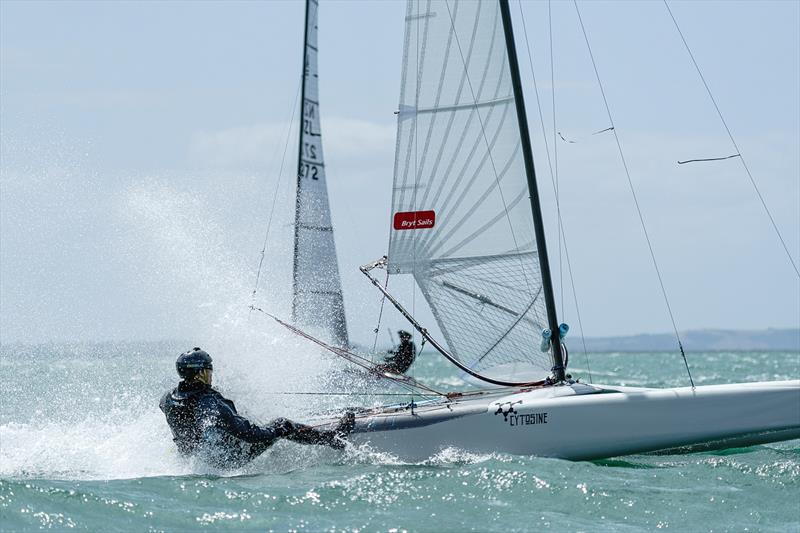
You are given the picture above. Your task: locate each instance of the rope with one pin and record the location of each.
(633, 193)
(709, 159)
(571, 141)
(275, 195)
(733, 142)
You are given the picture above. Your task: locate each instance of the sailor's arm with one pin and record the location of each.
(391, 356)
(238, 426)
(162, 404)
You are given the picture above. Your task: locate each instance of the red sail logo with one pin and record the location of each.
(414, 220)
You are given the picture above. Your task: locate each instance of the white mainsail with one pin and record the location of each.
(461, 211)
(317, 302)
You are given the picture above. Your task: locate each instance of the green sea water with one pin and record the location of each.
(84, 447)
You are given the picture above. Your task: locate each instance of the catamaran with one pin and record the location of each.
(466, 223)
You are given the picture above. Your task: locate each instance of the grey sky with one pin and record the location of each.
(142, 142)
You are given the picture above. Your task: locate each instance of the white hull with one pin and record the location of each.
(580, 422)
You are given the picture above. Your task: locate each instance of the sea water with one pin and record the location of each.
(84, 447)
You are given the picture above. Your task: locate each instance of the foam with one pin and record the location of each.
(91, 411)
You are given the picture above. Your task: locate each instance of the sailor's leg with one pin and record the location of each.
(246, 453)
(309, 435)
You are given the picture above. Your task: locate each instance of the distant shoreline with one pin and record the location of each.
(706, 340)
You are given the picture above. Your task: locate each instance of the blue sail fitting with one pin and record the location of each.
(546, 336)
(563, 329)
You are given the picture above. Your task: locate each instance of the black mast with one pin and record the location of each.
(527, 153)
(299, 163)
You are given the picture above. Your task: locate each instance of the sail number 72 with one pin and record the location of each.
(309, 170)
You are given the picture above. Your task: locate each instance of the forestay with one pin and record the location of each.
(317, 304)
(461, 213)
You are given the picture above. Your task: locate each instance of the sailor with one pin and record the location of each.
(204, 423)
(401, 358)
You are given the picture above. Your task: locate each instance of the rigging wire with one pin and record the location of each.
(633, 193)
(733, 141)
(275, 195)
(334, 393)
(555, 188)
(554, 170)
(416, 174)
(380, 313)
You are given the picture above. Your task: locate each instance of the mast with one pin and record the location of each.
(538, 224)
(297, 200)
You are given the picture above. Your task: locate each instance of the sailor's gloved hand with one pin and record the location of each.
(346, 424)
(283, 427)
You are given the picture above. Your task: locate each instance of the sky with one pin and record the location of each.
(142, 145)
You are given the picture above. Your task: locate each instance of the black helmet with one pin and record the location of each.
(404, 334)
(190, 363)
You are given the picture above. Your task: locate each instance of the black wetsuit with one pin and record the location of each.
(402, 358)
(206, 424)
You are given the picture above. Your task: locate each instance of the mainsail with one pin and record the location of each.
(461, 206)
(317, 297)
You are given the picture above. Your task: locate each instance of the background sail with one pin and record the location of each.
(318, 302)
(461, 214)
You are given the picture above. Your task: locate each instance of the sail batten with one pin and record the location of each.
(406, 112)
(317, 303)
(460, 187)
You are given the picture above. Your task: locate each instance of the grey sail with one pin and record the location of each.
(317, 296)
(461, 211)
